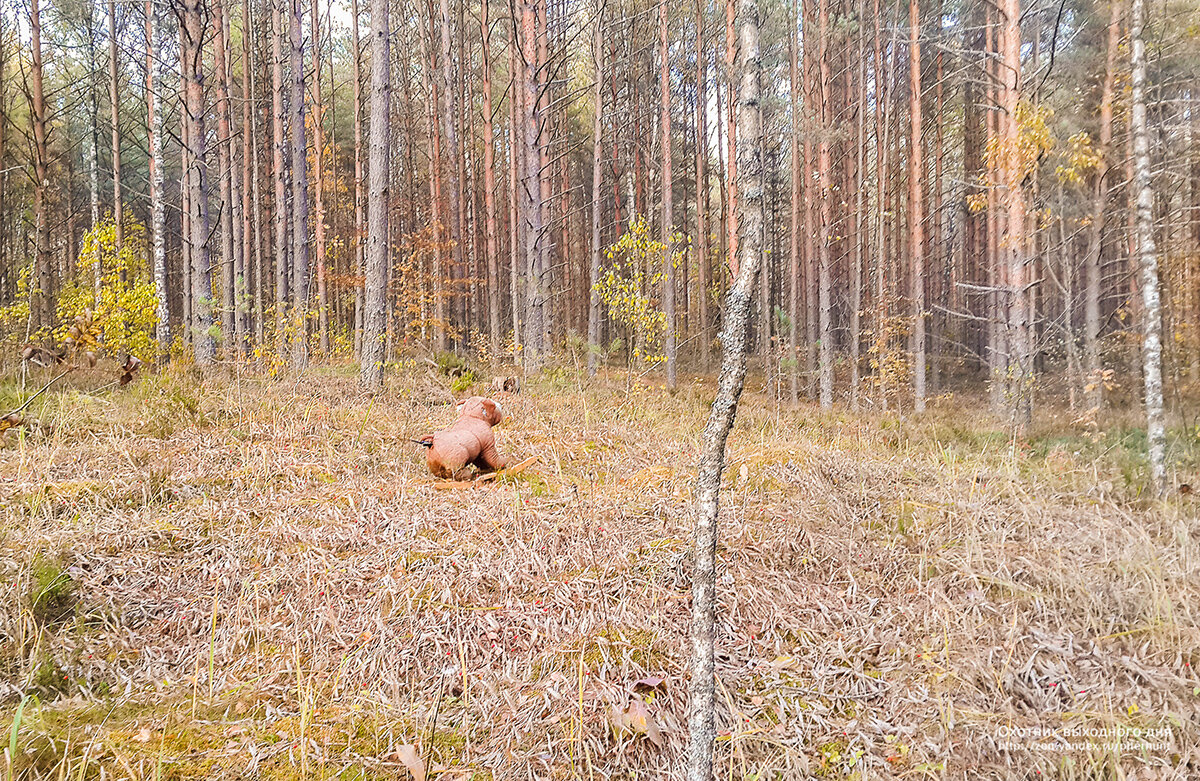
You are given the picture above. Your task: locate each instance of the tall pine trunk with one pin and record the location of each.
(203, 339)
(299, 194)
(93, 144)
(825, 214)
(531, 188)
(225, 176)
(359, 227)
(114, 99)
(41, 308)
(668, 216)
(489, 186)
(279, 175)
(318, 118)
(703, 228)
(1093, 263)
(1015, 242)
(916, 205)
(251, 238)
(794, 207)
(597, 180)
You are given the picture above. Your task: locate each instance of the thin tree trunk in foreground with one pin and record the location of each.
(375, 288)
(724, 408)
(1147, 259)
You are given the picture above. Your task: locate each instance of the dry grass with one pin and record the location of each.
(247, 577)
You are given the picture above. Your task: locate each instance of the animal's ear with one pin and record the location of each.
(495, 412)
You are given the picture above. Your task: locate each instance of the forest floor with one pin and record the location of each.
(242, 577)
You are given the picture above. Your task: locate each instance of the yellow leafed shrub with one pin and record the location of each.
(125, 305)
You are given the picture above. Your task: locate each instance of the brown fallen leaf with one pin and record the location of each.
(636, 718)
(411, 759)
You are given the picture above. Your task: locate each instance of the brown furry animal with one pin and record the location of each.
(509, 384)
(468, 442)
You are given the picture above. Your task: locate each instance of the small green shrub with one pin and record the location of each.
(51, 594)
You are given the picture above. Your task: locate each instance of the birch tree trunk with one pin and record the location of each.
(376, 255)
(701, 700)
(1147, 258)
(155, 71)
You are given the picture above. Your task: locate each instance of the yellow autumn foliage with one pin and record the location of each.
(631, 287)
(126, 307)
